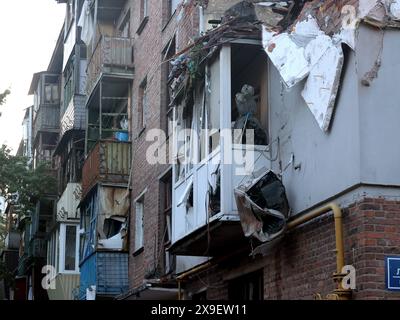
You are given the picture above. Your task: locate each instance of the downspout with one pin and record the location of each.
(340, 292)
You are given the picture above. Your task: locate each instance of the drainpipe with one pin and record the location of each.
(340, 293)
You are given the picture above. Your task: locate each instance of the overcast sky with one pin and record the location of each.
(28, 33)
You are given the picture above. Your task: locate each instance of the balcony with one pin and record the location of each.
(37, 248)
(109, 161)
(106, 273)
(47, 120)
(111, 56)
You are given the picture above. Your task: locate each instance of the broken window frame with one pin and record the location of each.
(207, 148)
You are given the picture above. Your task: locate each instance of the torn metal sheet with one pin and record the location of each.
(309, 53)
(322, 86)
(114, 202)
(263, 207)
(114, 206)
(287, 57)
(395, 9)
(312, 47)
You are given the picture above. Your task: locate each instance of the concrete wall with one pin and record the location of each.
(361, 144)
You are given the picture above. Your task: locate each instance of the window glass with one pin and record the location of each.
(139, 225)
(70, 248)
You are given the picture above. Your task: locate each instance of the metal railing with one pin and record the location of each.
(111, 55)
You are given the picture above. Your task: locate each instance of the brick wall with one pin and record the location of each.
(303, 263)
(149, 47)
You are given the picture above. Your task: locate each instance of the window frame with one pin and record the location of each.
(142, 106)
(62, 248)
(139, 233)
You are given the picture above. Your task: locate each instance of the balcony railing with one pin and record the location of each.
(108, 161)
(111, 55)
(47, 119)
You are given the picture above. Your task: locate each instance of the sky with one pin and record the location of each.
(28, 35)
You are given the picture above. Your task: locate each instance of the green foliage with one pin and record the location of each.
(21, 184)
(3, 97)
(6, 275)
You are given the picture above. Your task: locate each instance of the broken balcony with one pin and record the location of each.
(108, 162)
(104, 242)
(211, 159)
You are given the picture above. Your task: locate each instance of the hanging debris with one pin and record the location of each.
(263, 207)
(188, 67)
(311, 46)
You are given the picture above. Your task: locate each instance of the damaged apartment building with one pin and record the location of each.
(276, 172)
(314, 80)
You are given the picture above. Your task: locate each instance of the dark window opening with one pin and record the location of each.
(142, 104)
(166, 201)
(200, 296)
(111, 227)
(250, 91)
(70, 248)
(247, 288)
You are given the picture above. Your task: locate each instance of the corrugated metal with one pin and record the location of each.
(66, 285)
(108, 271)
(88, 275)
(117, 157)
(110, 52)
(91, 169)
(109, 161)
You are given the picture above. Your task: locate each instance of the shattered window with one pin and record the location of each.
(249, 92)
(111, 227)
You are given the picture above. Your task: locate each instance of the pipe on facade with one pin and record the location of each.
(184, 275)
(340, 292)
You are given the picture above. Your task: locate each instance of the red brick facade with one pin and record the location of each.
(303, 264)
(150, 45)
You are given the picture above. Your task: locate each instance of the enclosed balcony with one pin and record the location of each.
(211, 160)
(111, 57)
(45, 87)
(108, 162)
